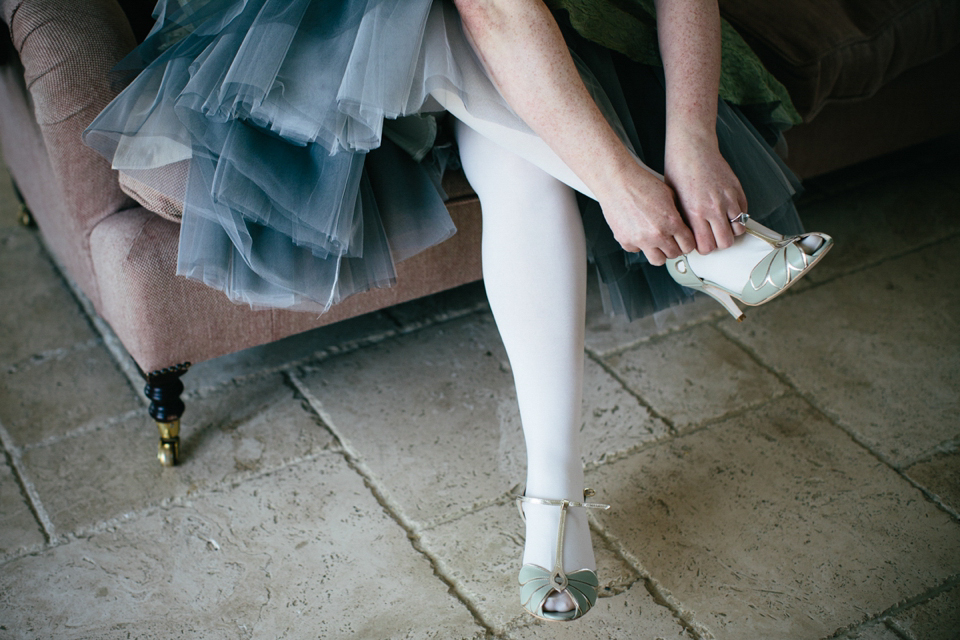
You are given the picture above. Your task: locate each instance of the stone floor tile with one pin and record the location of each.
(302, 552)
(881, 219)
(940, 475)
(629, 615)
(614, 422)
(606, 333)
(935, 619)
(774, 524)
(267, 357)
(19, 529)
(38, 315)
(480, 553)
(878, 350)
(226, 436)
(78, 387)
(694, 375)
(434, 415)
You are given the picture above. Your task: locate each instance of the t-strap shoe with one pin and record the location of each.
(537, 583)
(759, 266)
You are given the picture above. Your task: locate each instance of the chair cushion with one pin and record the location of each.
(839, 50)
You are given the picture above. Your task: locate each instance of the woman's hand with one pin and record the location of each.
(708, 192)
(641, 210)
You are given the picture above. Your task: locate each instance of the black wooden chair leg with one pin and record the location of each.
(163, 389)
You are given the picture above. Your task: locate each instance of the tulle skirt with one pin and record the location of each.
(303, 139)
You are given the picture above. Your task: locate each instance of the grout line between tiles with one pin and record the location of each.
(674, 430)
(655, 337)
(887, 615)
(166, 503)
(476, 507)
(930, 495)
(93, 426)
(174, 501)
(52, 355)
(897, 630)
(382, 496)
(689, 431)
(671, 427)
(946, 447)
(36, 506)
(853, 435)
(660, 594)
(857, 629)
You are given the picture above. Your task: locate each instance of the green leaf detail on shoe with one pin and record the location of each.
(536, 587)
(775, 273)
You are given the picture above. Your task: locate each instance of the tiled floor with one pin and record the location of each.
(795, 476)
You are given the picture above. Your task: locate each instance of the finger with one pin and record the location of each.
(655, 257)
(685, 239)
(704, 236)
(671, 248)
(723, 232)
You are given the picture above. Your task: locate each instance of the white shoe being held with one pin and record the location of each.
(759, 266)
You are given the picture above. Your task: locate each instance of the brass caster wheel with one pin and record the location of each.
(168, 453)
(169, 450)
(25, 217)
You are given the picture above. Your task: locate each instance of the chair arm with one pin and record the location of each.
(67, 49)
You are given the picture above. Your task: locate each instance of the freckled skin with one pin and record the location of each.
(523, 50)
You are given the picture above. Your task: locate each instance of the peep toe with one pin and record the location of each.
(780, 262)
(538, 583)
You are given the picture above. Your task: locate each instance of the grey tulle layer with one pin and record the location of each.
(296, 195)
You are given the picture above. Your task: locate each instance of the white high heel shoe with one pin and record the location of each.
(539, 583)
(759, 266)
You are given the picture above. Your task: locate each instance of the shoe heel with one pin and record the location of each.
(724, 299)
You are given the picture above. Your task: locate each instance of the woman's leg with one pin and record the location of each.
(534, 269)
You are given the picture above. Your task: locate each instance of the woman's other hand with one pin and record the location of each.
(708, 192)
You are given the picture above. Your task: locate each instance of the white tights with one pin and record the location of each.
(534, 270)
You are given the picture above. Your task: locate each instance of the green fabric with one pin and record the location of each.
(630, 27)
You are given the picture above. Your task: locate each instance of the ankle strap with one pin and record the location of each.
(563, 504)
